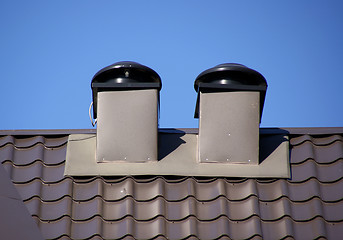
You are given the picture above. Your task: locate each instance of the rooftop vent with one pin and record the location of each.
(229, 107)
(126, 100)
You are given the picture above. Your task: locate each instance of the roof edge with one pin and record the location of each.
(304, 130)
(46, 131)
(293, 131)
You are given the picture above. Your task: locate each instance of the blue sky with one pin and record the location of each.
(50, 51)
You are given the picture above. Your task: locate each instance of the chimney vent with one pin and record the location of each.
(125, 104)
(229, 107)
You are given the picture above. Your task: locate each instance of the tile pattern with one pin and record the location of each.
(307, 206)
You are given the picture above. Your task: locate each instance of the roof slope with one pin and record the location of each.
(307, 206)
(14, 214)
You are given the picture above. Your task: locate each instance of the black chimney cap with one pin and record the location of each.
(230, 77)
(125, 75)
(227, 76)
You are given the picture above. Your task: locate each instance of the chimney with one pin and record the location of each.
(125, 105)
(229, 107)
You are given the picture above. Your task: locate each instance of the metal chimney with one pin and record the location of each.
(125, 104)
(229, 107)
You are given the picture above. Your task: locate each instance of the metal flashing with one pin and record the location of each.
(178, 156)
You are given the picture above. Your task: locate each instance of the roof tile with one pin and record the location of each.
(318, 140)
(324, 154)
(26, 173)
(309, 205)
(324, 173)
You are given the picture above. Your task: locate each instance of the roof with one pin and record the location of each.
(309, 205)
(14, 214)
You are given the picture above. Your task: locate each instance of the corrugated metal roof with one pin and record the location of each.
(14, 214)
(307, 206)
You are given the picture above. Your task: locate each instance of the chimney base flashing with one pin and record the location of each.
(178, 156)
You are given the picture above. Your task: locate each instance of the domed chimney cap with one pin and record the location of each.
(228, 75)
(126, 72)
(125, 75)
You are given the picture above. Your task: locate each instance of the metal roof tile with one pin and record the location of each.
(309, 205)
(29, 141)
(318, 140)
(36, 169)
(49, 211)
(26, 156)
(328, 192)
(151, 229)
(5, 140)
(323, 154)
(45, 191)
(317, 228)
(301, 211)
(54, 229)
(324, 173)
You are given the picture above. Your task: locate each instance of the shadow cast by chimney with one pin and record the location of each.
(270, 141)
(168, 141)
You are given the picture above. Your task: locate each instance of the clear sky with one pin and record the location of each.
(50, 50)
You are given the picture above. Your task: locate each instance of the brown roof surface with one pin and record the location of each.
(307, 206)
(14, 214)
